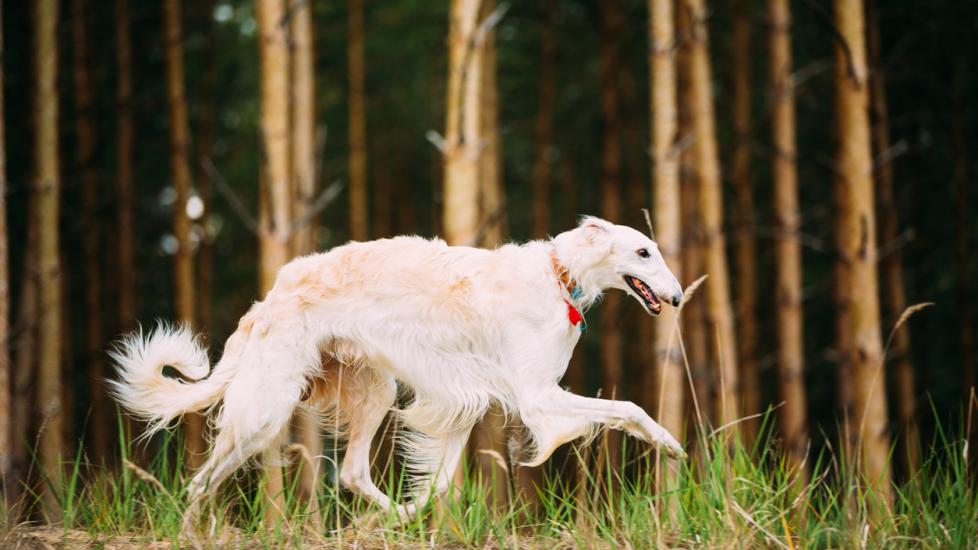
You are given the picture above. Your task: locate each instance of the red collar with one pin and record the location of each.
(565, 283)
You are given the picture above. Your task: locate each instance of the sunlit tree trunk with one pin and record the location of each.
(125, 240)
(859, 251)
(44, 214)
(745, 247)
(788, 273)
(891, 265)
(611, 349)
(719, 313)
(462, 148)
(666, 211)
(85, 139)
(543, 125)
(666, 204)
(305, 241)
(6, 406)
(275, 204)
(359, 228)
(183, 268)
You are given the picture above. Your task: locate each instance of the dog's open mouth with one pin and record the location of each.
(649, 299)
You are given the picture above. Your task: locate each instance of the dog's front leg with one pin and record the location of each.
(619, 415)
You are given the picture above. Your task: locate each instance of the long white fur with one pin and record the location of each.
(459, 327)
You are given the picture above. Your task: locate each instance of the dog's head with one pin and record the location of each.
(602, 255)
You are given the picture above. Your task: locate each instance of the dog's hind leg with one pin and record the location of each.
(254, 414)
(364, 417)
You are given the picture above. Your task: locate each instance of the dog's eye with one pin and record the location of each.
(643, 252)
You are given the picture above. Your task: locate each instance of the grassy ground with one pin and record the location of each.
(724, 496)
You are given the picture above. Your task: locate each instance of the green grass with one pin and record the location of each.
(724, 496)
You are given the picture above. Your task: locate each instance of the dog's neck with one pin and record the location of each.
(571, 273)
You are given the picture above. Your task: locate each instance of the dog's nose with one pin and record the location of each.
(677, 299)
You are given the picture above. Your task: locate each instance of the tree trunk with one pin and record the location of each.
(24, 361)
(6, 408)
(745, 246)
(44, 214)
(788, 271)
(693, 325)
(359, 228)
(305, 241)
(543, 125)
(275, 198)
(126, 251)
(666, 210)
(719, 314)
(99, 425)
(666, 205)
(891, 264)
(462, 168)
(859, 251)
(493, 193)
(183, 269)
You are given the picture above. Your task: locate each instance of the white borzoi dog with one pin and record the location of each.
(459, 327)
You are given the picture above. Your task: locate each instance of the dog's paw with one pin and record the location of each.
(661, 438)
(671, 446)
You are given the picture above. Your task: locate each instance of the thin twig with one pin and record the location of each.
(229, 195)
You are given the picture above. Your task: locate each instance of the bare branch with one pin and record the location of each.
(324, 199)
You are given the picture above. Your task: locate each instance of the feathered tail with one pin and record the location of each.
(142, 388)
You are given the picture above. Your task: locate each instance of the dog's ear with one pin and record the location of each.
(595, 227)
(595, 237)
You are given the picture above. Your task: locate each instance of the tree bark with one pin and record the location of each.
(183, 268)
(6, 407)
(719, 313)
(305, 241)
(359, 228)
(99, 425)
(275, 198)
(44, 214)
(745, 222)
(611, 349)
(859, 251)
(788, 273)
(891, 264)
(125, 240)
(543, 125)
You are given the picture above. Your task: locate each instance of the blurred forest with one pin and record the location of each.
(162, 159)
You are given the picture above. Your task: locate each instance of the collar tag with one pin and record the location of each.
(575, 317)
